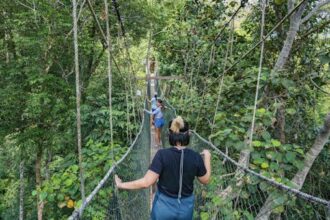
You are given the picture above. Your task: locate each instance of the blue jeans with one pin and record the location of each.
(168, 208)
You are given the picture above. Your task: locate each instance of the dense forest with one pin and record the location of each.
(216, 49)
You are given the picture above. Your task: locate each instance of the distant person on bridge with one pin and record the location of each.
(158, 120)
(153, 102)
(175, 169)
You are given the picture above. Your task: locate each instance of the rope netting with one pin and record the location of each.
(236, 192)
(107, 202)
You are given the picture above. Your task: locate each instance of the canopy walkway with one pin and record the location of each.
(236, 192)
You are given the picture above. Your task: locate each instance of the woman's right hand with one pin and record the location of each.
(207, 163)
(118, 181)
(206, 153)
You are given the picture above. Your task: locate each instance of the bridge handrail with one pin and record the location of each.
(297, 192)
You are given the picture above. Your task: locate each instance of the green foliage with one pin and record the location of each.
(290, 96)
(37, 94)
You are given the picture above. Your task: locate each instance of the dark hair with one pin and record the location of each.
(161, 103)
(181, 137)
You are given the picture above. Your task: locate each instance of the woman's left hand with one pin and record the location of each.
(118, 181)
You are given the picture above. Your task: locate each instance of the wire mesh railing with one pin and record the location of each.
(107, 202)
(240, 193)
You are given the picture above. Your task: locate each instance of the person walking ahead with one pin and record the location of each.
(153, 102)
(158, 120)
(175, 169)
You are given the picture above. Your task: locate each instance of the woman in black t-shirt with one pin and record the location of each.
(175, 169)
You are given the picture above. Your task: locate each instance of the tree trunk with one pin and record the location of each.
(40, 204)
(313, 153)
(291, 35)
(109, 74)
(282, 59)
(78, 98)
(300, 176)
(21, 190)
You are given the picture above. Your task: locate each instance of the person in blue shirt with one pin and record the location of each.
(154, 102)
(175, 169)
(158, 120)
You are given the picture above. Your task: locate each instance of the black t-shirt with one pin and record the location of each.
(166, 163)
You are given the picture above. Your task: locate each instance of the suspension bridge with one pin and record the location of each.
(235, 192)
